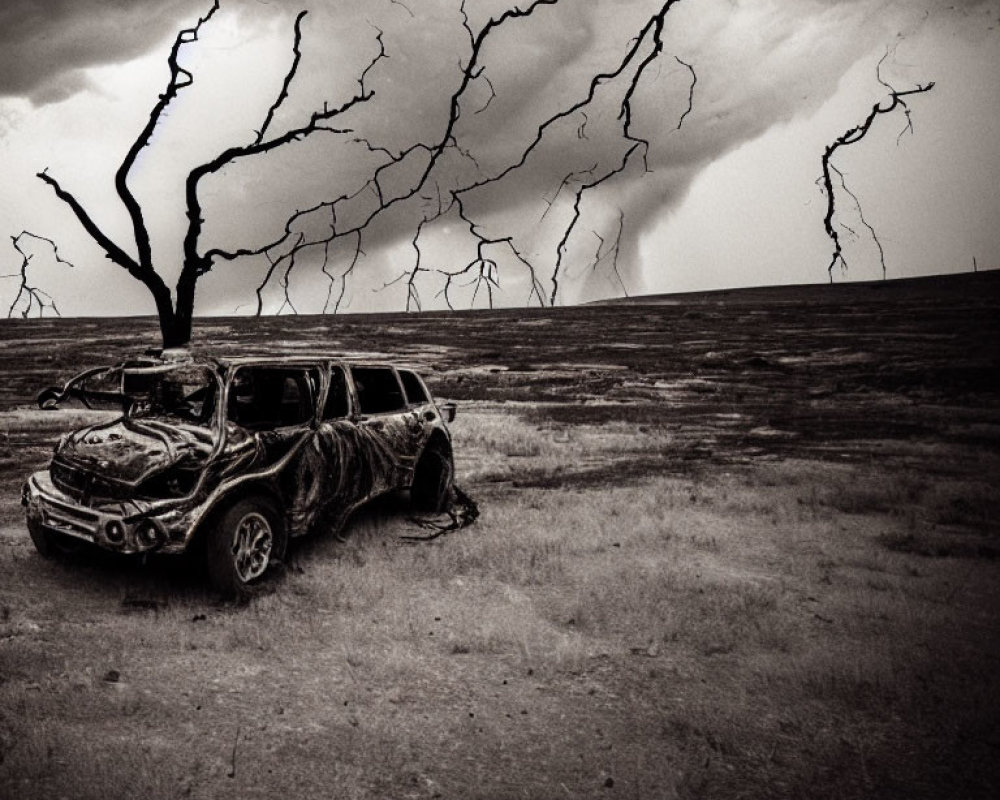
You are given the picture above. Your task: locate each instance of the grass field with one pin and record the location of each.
(741, 547)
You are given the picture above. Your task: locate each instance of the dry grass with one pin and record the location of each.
(760, 633)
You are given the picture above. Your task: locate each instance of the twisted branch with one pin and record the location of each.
(853, 136)
(36, 298)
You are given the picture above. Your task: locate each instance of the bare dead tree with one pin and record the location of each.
(302, 241)
(172, 321)
(861, 216)
(694, 82)
(481, 271)
(644, 49)
(34, 298)
(853, 136)
(613, 252)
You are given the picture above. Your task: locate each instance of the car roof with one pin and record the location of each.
(183, 358)
(238, 361)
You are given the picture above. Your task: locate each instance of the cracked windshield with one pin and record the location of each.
(186, 394)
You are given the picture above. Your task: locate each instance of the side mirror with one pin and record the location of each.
(448, 411)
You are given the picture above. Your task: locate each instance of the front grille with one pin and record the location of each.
(57, 519)
(82, 485)
(69, 513)
(69, 518)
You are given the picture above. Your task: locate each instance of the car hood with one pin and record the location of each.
(128, 450)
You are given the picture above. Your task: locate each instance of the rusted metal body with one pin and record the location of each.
(310, 438)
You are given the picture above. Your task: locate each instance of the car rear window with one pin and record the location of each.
(414, 389)
(378, 389)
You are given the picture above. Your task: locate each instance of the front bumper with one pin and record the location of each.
(130, 527)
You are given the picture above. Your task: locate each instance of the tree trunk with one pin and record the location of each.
(175, 324)
(175, 331)
(182, 315)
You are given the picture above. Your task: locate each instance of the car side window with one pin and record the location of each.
(378, 390)
(336, 406)
(102, 389)
(415, 393)
(263, 398)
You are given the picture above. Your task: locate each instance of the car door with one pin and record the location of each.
(346, 461)
(365, 444)
(276, 402)
(276, 405)
(390, 428)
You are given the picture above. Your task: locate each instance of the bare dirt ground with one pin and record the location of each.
(739, 544)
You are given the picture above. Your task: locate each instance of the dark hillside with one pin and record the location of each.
(810, 370)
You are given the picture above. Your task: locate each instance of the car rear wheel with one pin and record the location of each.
(432, 479)
(247, 539)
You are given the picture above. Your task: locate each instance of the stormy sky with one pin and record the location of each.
(728, 199)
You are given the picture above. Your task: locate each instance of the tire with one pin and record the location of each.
(51, 545)
(432, 479)
(48, 399)
(247, 539)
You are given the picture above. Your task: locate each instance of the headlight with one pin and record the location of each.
(147, 534)
(115, 531)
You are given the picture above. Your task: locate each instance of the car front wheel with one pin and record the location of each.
(243, 544)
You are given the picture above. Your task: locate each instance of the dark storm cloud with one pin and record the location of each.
(760, 63)
(45, 44)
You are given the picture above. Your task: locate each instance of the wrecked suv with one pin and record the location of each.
(237, 457)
